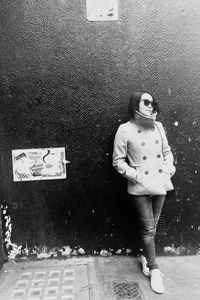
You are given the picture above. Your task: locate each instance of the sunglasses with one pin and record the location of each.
(147, 102)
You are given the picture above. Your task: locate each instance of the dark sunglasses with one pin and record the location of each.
(147, 102)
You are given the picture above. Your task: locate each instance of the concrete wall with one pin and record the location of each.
(66, 82)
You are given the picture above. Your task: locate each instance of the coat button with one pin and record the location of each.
(144, 157)
(146, 172)
(160, 170)
(139, 131)
(157, 141)
(158, 156)
(143, 143)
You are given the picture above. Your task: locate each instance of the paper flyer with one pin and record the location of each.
(38, 164)
(102, 10)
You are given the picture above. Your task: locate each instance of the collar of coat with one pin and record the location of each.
(144, 121)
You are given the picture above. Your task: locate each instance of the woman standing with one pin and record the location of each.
(143, 156)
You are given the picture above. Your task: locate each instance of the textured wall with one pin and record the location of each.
(66, 82)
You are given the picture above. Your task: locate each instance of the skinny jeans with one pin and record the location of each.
(147, 211)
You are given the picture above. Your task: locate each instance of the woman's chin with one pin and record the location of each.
(146, 114)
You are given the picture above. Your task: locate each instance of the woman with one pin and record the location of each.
(143, 156)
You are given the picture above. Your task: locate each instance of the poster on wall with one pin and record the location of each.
(102, 10)
(39, 164)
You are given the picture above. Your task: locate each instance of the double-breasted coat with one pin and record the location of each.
(143, 156)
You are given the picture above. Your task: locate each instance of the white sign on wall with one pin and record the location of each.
(39, 164)
(102, 10)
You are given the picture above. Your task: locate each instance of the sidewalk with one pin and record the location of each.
(98, 278)
(181, 276)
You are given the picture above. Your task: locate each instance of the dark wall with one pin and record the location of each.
(66, 82)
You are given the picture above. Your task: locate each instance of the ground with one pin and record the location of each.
(98, 278)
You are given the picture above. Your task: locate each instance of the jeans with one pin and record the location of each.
(147, 211)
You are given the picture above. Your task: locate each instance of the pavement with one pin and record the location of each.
(98, 278)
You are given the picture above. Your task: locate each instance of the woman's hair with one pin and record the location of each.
(134, 104)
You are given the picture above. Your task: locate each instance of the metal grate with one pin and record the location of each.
(127, 290)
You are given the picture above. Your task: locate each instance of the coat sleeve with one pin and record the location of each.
(167, 153)
(120, 154)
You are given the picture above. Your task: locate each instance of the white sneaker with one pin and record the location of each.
(156, 281)
(145, 269)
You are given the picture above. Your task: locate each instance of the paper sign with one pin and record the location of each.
(38, 164)
(102, 10)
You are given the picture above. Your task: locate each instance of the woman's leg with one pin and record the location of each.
(157, 205)
(143, 209)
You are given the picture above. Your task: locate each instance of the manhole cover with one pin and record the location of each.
(127, 290)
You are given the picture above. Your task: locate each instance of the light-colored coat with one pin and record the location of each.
(143, 156)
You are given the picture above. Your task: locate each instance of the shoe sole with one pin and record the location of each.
(145, 273)
(156, 291)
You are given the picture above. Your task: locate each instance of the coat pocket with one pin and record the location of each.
(140, 175)
(167, 179)
(166, 171)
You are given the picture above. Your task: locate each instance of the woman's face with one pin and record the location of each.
(145, 107)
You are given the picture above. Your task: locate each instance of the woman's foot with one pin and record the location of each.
(145, 269)
(156, 281)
